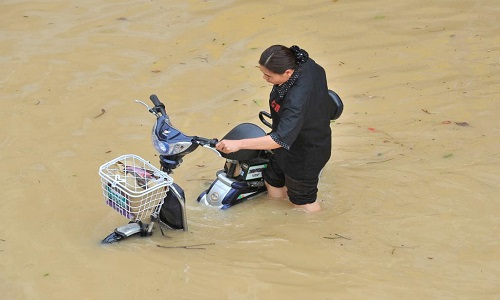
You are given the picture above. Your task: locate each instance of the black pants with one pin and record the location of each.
(300, 191)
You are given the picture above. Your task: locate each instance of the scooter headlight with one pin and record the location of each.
(160, 146)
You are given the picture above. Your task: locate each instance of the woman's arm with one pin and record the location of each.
(260, 143)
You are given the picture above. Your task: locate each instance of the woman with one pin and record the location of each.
(301, 135)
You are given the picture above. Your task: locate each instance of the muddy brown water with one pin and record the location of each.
(410, 196)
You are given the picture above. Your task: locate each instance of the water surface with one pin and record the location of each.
(409, 197)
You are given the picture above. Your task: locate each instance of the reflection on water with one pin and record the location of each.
(408, 196)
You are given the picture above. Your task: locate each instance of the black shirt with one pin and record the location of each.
(301, 122)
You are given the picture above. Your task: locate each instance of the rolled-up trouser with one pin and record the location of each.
(300, 192)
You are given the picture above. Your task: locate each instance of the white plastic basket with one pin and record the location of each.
(133, 187)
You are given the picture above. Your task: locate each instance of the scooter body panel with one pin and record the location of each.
(226, 192)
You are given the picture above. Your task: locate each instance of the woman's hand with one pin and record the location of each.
(228, 146)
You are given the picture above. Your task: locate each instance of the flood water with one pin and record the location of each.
(409, 197)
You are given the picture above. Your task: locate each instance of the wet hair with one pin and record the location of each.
(278, 58)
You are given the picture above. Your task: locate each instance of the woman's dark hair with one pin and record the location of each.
(278, 58)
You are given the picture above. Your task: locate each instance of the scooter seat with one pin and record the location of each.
(243, 131)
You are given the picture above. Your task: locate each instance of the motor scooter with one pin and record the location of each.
(137, 189)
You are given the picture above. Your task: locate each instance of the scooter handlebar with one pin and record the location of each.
(206, 142)
(213, 142)
(155, 100)
(160, 107)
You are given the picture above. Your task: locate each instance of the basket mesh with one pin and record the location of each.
(133, 187)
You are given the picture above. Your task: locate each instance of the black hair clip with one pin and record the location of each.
(300, 54)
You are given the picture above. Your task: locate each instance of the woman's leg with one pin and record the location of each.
(276, 192)
(281, 193)
(311, 207)
(303, 193)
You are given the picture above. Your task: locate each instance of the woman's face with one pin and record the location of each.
(275, 78)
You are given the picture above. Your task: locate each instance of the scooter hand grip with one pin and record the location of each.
(159, 107)
(155, 100)
(213, 142)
